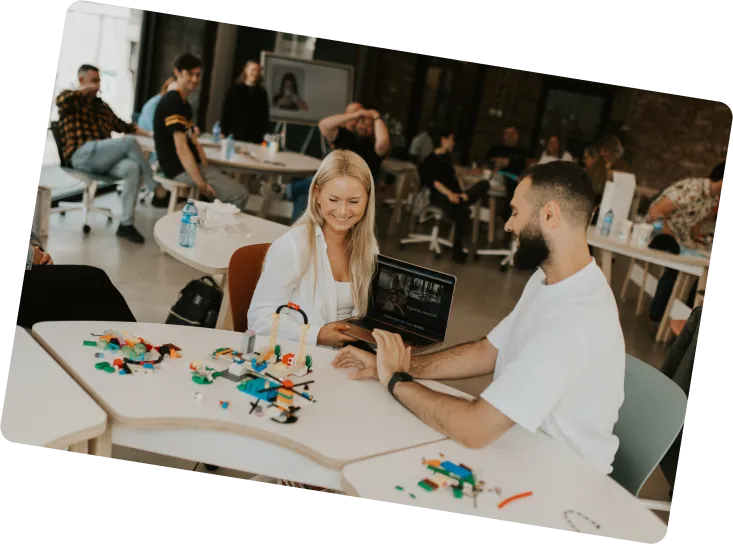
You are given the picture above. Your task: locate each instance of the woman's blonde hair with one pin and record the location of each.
(242, 76)
(362, 248)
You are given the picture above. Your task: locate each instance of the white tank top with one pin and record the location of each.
(344, 300)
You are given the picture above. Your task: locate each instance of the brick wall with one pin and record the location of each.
(518, 95)
(390, 88)
(672, 136)
(177, 35)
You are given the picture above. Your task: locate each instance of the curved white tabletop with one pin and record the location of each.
(44, 406)
(516, 463)
(214, 247)
(350, 420)
(252, 158)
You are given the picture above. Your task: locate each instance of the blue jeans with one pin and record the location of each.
(297, 191)
(120, 158)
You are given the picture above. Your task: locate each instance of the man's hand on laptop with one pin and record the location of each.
(363, 361)
(331, 335)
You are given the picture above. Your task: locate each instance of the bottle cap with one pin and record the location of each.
(191, 200)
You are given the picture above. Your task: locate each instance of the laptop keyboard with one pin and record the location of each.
(407, 337)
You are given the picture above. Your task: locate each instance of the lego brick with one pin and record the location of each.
(427, 485)
(90, 343)
(457, 492)
(455, 469)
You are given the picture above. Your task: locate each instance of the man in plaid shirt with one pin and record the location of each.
(86, 124)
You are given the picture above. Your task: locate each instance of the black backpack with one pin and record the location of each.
(197, 305)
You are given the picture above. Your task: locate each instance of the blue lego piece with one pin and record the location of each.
(455, 469)
(258, 367)
(253, 386)
(148, 365)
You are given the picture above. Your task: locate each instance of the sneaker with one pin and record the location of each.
(129, 232)
(161, 202)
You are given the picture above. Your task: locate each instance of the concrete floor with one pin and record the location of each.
(150, 282)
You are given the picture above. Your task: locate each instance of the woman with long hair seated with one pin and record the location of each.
(326, 262)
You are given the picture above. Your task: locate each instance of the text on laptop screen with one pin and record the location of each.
(413, 298)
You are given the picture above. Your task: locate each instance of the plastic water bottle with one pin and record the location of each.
(189, 224)
(658, 226)
(607, 222)
(216, 132)
(229, 153)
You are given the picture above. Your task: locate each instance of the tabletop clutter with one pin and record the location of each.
(267, 375)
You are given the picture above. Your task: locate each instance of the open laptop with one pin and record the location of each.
(409, 300)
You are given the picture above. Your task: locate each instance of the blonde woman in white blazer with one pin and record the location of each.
(326, 262)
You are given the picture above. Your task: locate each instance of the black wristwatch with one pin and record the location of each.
(397, 377)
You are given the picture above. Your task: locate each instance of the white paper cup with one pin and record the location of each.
(642, 234)
(624, 232)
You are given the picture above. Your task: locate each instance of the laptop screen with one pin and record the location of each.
(411, 297)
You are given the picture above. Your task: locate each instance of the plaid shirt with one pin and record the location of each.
(84, 118)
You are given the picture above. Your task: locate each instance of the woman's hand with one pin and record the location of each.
(331, 334)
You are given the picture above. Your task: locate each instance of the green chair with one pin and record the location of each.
(649, 421)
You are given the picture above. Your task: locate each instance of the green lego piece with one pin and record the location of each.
(101, 366)
(201, 380)
(399, 488)
(278, 350)
(425, 486)
(216, 375)
(109, 369)
(139, 349)
(458, 492)
(413, 496)
(308, 362)
(90, 343)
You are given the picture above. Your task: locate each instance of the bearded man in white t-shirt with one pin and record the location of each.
(558, 358)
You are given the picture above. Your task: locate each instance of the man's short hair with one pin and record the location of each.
(438, 134)
(717, 173)
(84, 68)
(187, 62)
(566, 183)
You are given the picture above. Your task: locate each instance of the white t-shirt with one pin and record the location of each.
(421, 146)
(561, 363)
(344, 300)
(546, 157)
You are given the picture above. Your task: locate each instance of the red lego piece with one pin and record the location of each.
(293, 306)
(118, 363)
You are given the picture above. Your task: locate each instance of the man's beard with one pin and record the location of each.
(533, 250)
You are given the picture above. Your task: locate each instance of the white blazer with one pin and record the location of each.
(281, 282)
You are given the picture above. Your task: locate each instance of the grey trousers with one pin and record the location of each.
(227, 189)
(121, 158)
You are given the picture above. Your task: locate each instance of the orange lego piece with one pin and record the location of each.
(288, 359)
(174, 354)
(117, 362)
(433, 463)
(293, 306)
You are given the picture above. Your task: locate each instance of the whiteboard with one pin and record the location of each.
(305, 91)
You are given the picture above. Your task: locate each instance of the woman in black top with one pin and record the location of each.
(246, 107)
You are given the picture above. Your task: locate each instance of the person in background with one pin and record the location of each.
(246, 112)
(596, 168)
(422, 144)
(86, 124)
(683, 207)
(612, 153)
(147, 114)
(179, 154)
(554, 151)
(546, 375)
(438, 174)
(508, 157)
(66, 292)
(297, 190)
(288, 98)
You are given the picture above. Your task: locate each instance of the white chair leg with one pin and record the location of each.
(174, 200)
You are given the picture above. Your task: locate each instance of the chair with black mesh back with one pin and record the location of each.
(91, 183)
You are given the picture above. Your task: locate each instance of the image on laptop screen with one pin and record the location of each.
(412, 297)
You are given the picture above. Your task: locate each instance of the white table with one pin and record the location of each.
(214, 247)
(156, 412)
(516, 463)
(254, 159)
(687, 266)
(44, 406)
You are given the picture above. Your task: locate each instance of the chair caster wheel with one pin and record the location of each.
(62, 214)
(109, 220)
(503, 267)
(87, 229)
(211, 468)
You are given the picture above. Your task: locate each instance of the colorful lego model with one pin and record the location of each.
(457, 477)
(133, 350)
(289, 364)
(279, 395)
